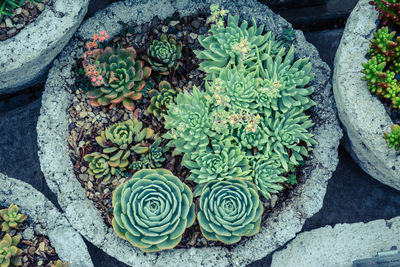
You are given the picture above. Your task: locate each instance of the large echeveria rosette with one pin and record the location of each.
(229, 210)
(152, 210)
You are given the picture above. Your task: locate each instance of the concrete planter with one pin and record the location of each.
(25, 57)
(45, 219)
(362, 114)
(283, 223)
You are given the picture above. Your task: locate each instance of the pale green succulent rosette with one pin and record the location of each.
(267, 174)
(229, 210)
(235, 44)
(121, 133)
(99, 166)
(10, 254)
(250, 140)
(287, 132)
(221, 161)
(11, 218)
(152, 210)
(189, 122)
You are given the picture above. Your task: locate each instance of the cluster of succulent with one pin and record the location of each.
(7, 7)
(393, 139)
(162, 98)
(10, 218)
(389, 11)
(125, 145)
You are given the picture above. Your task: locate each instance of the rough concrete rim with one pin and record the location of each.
(45, 219)
(383, 164)
(27, 60)
(280, 227)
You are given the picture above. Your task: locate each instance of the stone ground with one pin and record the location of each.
(352, 195)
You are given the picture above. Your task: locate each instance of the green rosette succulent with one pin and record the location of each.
(99, 166)
(10, 255)
(253, 139)
(161, 99)
(156, 154)
(189, 122)
(220, 161)
(163, 55)
(235, 44)
(267, 174)
(152, 210)
(123, 77)
(235, 89)
(286, 133)
(11, 218)
(229, 210)
(285, 82)
(393, 139)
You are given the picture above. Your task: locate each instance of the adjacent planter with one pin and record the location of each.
(26, 56)
(362, 114)
(283, 223)
(46, 220)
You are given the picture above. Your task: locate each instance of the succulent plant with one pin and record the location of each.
(161, 99)
(163, 55)
(99, 166)
(235, 44)
(386, 49)
(234, 88)
(388, 11)
(393, 139)
(253, 139)
(123, 77)
(189, 122)
(285, 82)
(229, 210)
(152, 210)
(11, 218)
(59, 263)
(10, 255)
(220, 161)
(156, 154)
(288, 136)
(267, 174)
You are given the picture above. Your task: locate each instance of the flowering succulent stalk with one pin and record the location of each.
(217, 15)
(11, 218)
(122, 76)
(161, 99)
(389, 11)
(229, 210)
(393, 139)
(10, 255)
(163, 55)
(152, 210)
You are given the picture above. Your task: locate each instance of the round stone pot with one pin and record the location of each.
(362, 114)
(25, 57)
(282, 224)
(45, 219)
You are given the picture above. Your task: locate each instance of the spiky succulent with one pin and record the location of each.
(285, 82)
(235, 44)
(229, 210)
(118, 142)
(220, 161)
(163, 55)
(11, 218)
(393, 139)
(267, 174)
(189, 122)
(388, 11)
(162, 98)
(123, 77)
(10, 255)
(152, 210)
(156, 154)
(288, 136)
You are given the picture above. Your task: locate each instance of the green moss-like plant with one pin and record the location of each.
(122, 75)
(393, 139)
(10, 255)
(11, 218)
(152, 210)
(229, 210)
(163, 55)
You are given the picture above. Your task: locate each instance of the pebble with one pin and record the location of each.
(274, 199)
(28, 234)
(40, 6)
(173, 22)
(19, 26)
(78, 108)
(84, 177)
(18, 11)
(90, 185)
(33, 12)
(83, 114)
(106, 191)
(25, 12)
(12, 31)
(2, 25)
(173, 30)
(164, 28)
(9, 23)
(196, 24)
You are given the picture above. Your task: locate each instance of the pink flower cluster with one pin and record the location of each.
(88, 62)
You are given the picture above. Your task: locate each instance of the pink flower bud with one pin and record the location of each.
(94, 79)
(103, 32)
